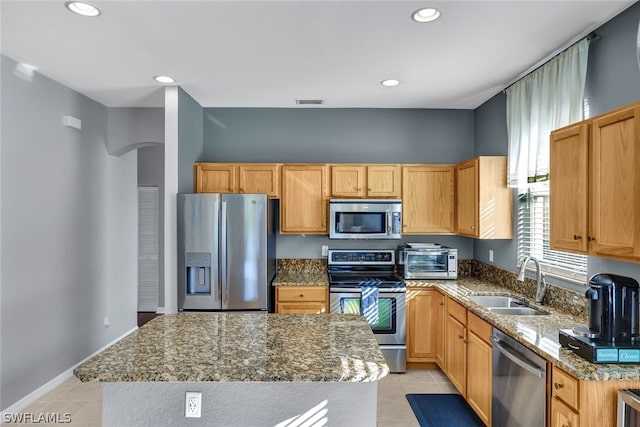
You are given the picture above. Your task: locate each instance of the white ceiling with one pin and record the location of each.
(268, 53)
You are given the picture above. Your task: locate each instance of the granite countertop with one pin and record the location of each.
(246, 347)
(539, 333)
(301, 278)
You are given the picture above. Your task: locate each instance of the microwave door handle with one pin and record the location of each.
(388, 222)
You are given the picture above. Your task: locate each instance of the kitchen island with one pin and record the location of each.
(251, 368)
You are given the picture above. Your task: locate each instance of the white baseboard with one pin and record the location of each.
(49, 386)
(160, 310)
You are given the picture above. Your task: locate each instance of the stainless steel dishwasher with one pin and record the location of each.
(519, 379)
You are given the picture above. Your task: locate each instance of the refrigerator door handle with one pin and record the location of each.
(224, 283)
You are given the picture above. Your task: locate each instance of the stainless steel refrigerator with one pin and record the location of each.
(226, 252)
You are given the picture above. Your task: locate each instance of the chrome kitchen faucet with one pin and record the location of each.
(541, 284)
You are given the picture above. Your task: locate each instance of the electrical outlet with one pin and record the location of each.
(193, 404)
(490, 255)
(107, 322)
(325, 250)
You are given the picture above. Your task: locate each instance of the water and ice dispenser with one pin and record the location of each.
(198, 272)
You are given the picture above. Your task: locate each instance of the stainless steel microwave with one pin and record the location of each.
(365, 219)
(427, 261)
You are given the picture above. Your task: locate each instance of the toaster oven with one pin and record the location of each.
(427, 261)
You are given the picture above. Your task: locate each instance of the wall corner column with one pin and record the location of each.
(170, 206)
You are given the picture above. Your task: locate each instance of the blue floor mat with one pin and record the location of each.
(443, 410)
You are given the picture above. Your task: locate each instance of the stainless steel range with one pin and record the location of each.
(353, 271)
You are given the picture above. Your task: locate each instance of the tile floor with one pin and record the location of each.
(82, 401)
(393, 407)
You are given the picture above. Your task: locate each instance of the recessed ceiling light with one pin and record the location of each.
(390, 82)
(82, 8)
(427, 14)
(164, 79)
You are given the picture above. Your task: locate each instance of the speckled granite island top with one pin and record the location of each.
(539, 333)
(246, 347)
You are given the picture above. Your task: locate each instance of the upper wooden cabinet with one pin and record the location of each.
(259, 178)
(614, 191)
(215, 178)
(360, 181)
(568, 188)
(303, 206)
(237, 178)
(484, 203)
(428, 199)
(595, 185)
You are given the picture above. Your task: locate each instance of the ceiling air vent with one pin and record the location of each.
(309, 101)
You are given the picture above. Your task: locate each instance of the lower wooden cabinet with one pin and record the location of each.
(584, 403)
(479, 353)
(455, 342)
(562, 415)
(423, 331)
(468, 357)
(301, 299)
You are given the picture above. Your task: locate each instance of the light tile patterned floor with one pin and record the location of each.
(71, 403)
(393, 407)
(83, 401)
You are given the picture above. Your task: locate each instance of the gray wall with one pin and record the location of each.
(151, 174)
(491, 140)
(131, 128)
(190, 139)
(613, 80)
(68, 233)
(315, 135)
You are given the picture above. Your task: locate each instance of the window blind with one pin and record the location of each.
(533, 236)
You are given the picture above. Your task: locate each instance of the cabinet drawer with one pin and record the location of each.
(457, 311)
(479, 327)
(562, 415)
(300, 293)
(565, 387)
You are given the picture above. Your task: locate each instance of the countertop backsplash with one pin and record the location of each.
(562, 299)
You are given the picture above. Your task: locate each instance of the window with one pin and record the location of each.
(533, 236)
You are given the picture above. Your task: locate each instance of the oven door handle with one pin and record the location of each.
(357, 291)
(345, 291)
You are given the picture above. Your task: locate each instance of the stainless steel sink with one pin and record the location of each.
(517, 311)
(496, 301)
(501, 304)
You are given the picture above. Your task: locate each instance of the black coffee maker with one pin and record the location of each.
(613, 308)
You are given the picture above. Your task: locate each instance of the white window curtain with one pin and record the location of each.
(549, 98)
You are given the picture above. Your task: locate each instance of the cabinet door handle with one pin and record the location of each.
(576, 237)
(591, 239)
(460, 337)
(368, 189)
(441, 303)
(558, 386)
